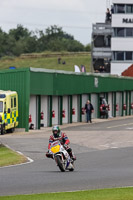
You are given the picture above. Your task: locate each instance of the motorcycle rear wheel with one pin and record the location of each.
(60, 164)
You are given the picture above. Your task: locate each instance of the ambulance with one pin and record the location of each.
(8, 111)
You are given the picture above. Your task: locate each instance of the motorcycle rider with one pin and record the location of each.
(62, 137)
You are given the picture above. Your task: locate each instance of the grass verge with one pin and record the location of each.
(9, 157)
(104, 194)
(49, 62)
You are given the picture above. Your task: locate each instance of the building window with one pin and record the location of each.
(120, 32)
(128, 55)
(120, 8)
(120, 55)
(123, 32)
(129, 32)
(123, 8)
(129, 8)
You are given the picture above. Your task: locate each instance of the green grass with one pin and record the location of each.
(105, 194)
(9, 157)
(48, 62)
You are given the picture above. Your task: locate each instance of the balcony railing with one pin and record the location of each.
(102, 49)
(102, 55)
(102, 28)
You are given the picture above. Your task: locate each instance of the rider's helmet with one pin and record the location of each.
(56, 131)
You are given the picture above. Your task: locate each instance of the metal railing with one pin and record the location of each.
(102, 28)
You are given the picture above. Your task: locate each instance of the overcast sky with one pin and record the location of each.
(74, 16)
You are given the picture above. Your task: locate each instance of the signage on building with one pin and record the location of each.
(96, 82)
(126, 20)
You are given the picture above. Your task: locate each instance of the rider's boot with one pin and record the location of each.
(72, 156)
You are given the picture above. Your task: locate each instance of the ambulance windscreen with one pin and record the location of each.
(2, 95)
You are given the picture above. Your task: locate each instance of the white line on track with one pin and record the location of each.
(28, 162)
(129, 128)
(119, 125)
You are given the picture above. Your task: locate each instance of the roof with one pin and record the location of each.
(8, 92)
(128, 71)
(51, 71)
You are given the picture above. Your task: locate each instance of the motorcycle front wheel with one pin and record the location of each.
(60, 164)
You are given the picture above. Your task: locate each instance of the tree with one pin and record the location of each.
(57, 40)
(30, 44)
(88, 47)
(21, 40)
(75, 46)
(42, 42)
(54, 31)
(3, 43)
(19, 32)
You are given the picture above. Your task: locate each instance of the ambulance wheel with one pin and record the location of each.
(12, 130)
(2, 132)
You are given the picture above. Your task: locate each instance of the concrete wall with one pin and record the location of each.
(122, 1)
(117, 20)
(121, 44)
(75, 105)
(118, 67)
(65, 107)
(119, 103)
(44, 109)
(110, 102)
(55, 107)
(94, 101)
(84, 100)
(33, 110)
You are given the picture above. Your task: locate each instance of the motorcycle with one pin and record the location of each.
(61, 157)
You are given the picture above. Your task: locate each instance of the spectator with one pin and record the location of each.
(96, 71)
(108, 15)
(83, 68)
(103, 69)
(100, 69)
(89, 109)
(63, 62)
(59, 60)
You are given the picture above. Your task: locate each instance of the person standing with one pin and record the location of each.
(108, 15)
(89, 109)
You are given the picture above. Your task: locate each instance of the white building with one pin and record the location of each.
(118, 54)
(122, 38)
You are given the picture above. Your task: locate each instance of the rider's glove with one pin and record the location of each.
(65, 146)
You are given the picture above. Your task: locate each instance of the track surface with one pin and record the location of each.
(104, 159)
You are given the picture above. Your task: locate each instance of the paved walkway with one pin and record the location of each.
(47, 129)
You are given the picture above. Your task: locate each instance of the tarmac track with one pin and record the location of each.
(104, 160)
